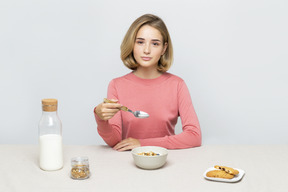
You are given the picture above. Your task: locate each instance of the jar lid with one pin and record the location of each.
(80, 160)
(49, 101)
(49, 105)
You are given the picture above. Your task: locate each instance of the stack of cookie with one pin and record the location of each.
(223, 172)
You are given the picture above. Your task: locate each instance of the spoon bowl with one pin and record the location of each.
(138, 114)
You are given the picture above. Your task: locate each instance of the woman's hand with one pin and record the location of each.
(106, 111)
(127, 144)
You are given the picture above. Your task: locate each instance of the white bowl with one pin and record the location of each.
(150, 162)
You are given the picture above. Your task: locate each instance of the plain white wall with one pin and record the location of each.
(231, 54)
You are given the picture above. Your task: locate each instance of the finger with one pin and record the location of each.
(121, 144)
(108, 115)
(110, 111)
(128, 147)
(112, 105)
(131, 145)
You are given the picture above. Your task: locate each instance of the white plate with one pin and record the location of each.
(235, 179)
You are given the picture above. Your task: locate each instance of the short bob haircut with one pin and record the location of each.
(128, 42)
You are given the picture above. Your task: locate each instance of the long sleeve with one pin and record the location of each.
(110, 130)
(191, 134)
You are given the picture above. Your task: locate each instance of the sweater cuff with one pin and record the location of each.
(101, 123)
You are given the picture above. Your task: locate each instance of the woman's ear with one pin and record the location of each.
(164, 48)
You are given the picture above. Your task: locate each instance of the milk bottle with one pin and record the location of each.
(50, 137)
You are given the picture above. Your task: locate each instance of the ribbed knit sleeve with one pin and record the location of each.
(191, 134)
(110, 130)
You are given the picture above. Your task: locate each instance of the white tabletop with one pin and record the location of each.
(265, 167)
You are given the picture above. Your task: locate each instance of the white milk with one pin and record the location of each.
(51, 152)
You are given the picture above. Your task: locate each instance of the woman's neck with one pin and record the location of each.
(145, 73)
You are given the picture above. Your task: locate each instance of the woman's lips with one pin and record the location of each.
(146, 58)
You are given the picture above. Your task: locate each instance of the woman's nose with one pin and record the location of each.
(147, 49)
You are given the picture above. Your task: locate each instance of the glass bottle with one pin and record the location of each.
(50, 137)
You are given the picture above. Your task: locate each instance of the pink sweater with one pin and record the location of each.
(164, 99)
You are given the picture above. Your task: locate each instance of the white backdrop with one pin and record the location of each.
(231, 54)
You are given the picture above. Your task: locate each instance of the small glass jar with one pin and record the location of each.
(80, 168)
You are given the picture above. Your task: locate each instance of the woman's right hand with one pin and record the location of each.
(106, 111)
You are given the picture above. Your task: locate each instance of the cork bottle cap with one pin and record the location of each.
(49, 105)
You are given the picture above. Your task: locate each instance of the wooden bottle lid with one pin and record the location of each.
(49, 105)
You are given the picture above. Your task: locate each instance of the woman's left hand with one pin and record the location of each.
(127, 144)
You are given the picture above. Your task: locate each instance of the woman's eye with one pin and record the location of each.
(155, 44)
(140, 42)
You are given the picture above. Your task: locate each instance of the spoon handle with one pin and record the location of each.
(123, 108)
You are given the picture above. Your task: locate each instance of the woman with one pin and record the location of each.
(147, 50)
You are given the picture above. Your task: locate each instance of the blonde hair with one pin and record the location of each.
(128, 42)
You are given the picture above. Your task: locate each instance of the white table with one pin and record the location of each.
(266, 169)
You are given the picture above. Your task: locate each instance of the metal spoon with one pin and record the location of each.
(138, 114)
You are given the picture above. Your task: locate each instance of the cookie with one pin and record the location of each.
(219, 174)
(227, 169)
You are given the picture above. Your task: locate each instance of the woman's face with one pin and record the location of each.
(148, 47)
